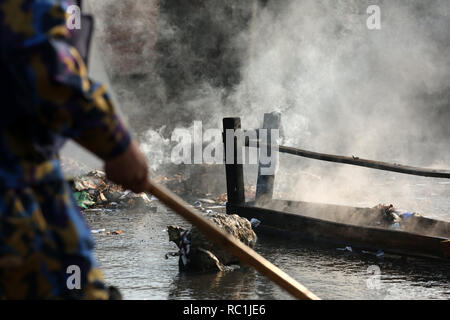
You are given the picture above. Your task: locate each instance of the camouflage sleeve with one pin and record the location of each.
(64, 99)
(73, 105)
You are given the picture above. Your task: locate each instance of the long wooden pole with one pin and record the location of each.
(424, 172)
(229, 243)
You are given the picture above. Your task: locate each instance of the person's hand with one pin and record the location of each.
(129, 169)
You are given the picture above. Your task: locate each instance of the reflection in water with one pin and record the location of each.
(233, 285)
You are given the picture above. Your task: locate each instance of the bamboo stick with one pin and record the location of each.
(356, 161)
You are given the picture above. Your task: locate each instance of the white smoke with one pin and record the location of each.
(342, 88)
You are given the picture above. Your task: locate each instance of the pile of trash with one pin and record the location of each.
(197, 254)
(93, 190)
(392, 217)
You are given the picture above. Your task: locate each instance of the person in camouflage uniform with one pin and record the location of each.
(47, 97)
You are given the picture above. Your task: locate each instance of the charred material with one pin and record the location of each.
(94, 190)
(197, 254)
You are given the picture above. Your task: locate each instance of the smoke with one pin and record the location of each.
(341, 88)
(345, 89)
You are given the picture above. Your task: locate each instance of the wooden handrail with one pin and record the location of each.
(356, 161)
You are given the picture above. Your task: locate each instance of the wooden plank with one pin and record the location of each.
(322, 231)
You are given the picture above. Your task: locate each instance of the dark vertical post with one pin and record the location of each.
(264, 184)
(234, 171)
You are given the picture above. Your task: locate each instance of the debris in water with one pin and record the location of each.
(206, 201)
(93, 190)
(102, 197)
(118, 232)
(407, 215)
(388, 213)
(390, 217)
(196, 253)
(197, 204)
(83, 199)
(348, 248)
(98, 230)
(216, 207)
(97, 210)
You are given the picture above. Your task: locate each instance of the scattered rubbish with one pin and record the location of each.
(93, 190)
(118, 232)
(81, 185)
(95, 210)
(171, 254)
(98, 230)
(197, 204)
(390, 217)
(407, 215)
(255, 222)
(207, 201)
(102, 197)
(380, 253)
(222, 198)
(216, 207)
(348, 248)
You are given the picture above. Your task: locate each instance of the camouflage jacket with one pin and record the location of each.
(47, 97)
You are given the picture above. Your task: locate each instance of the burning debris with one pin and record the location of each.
(93, 190)
(109, 233)
(392, 217)
(196, 253)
